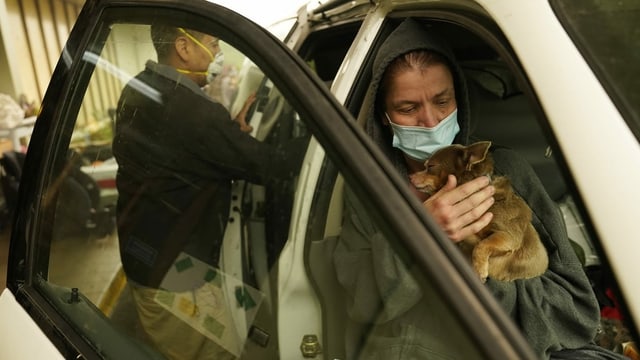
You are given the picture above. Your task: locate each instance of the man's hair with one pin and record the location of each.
(164, 37)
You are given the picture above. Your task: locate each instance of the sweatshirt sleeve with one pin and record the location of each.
(378, 285)
(557, 310)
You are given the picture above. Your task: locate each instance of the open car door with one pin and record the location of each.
(65, 267)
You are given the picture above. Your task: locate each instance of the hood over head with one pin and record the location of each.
(410, 35)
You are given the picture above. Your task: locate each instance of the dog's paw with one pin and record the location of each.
(482, 269)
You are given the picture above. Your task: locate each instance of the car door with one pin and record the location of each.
(66, 267)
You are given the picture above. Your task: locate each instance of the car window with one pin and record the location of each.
(325, 50)
(376, 301)
(97, 197)
(607, 35)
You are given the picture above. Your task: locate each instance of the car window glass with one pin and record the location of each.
(325, 50)
(607, 35)
(120, 168)
(376, 301)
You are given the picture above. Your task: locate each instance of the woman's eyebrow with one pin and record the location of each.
(401, 103)
(447, 91)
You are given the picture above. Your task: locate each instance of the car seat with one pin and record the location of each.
(87, 217)
(78, 209)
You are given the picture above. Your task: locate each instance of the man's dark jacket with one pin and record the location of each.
(178, 153)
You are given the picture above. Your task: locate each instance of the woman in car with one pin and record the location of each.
(415, 84)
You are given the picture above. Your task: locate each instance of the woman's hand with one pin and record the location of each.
(461, 211)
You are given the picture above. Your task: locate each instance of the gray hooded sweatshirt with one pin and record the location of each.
(557, 312)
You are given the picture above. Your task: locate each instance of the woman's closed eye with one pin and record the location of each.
(431, 168)
(443, 103)
(407, 109)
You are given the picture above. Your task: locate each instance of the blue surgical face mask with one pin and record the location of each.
(419, 142)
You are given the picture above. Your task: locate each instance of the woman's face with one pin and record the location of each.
(420, 97)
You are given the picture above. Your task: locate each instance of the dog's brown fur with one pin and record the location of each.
(509, 247)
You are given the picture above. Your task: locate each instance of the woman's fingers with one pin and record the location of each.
(462, 211)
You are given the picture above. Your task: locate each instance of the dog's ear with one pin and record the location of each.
(476, 153)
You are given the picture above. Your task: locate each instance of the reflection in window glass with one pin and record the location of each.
(376, 302)
(176, 194)
(608, 34)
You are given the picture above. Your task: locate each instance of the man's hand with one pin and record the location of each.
(462, 210)
(241, 117)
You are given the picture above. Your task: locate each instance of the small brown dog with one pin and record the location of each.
(509, 247)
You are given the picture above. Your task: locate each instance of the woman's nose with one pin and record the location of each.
(428, 117)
